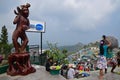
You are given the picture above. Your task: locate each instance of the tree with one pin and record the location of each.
(56, 53)
(4, 35)
(64, 51)
(5, 47)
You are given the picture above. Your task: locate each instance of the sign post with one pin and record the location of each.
(38, 27)
(41, 48)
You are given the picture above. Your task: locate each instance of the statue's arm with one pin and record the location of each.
(28, 24)
(16, 19)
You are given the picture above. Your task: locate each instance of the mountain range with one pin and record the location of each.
(69, 48)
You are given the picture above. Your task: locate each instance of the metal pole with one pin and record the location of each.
(41, 42)
(40, 49)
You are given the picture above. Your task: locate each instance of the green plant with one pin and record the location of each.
(57, 54)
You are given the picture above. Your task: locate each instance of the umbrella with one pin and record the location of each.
(113, 41)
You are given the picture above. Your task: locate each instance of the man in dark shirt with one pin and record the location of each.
(48, 64)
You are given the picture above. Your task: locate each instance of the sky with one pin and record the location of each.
(67, 21)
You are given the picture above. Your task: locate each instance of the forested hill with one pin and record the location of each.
(69, 48)
(72, 48)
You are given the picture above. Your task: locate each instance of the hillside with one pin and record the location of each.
(72, 48)
(69, 48)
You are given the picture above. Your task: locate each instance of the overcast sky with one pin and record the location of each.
(67, 21)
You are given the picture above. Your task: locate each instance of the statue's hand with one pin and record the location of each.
(25, 27)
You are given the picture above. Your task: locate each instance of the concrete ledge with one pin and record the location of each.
(40, 74)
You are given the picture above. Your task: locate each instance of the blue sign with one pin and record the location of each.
(39, 27)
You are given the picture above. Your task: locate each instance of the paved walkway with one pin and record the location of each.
(41, 74)
(109, 76)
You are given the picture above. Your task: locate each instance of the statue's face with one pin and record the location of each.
(25, 11)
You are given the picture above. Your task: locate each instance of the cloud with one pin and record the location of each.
(6, 6)
(89, 13)
(66, 18)
(80, 14)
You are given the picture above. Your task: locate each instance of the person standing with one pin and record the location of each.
(115, 61)
(105, 47)
(102, 62)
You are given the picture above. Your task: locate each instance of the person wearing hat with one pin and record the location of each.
(71, 72)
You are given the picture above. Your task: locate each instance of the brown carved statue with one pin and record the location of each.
(19, 62)
(22, 24)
